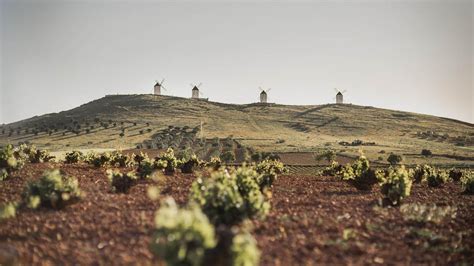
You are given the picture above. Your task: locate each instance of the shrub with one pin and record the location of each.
(332, 169)
(10, 160)
(171, 161)
(8, 210)
(230, 198)
(101, 159)
(138, 158)
(52, 190)
(159, 164)
(89, 157)
(182, 236)
(421, 173)
(215, 163)
(146, 168)
(394, 159)
(364, 176)
(269, 170)
(467, 183)
(396, 185)
(188, 164)
(328, 155)
(244, 250)
(121, 182)
(437, 178)
(120, 159)
(359, 174)
(424, 213)
(38, 156)
(426, 152)
(455, 174)
(73, 157)
(228, 156)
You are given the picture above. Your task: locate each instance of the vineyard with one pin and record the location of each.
(141, 209)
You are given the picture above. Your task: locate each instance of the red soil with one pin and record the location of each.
(305, 226)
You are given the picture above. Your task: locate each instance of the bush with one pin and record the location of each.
(188, 164)
(215, 163)
(159, 164)
(455, 174)
(139, 158)
(437, 178)
(73, 157)
(10, 160)
(52, 190)
(332, 169)
(244, 250)
(395, 186)
(182, 236)
(426, 152)
(228, 156)
(359, 174)
(99, 160)
(328, 155)
(35, 155)
(171, 161)
(146, 168)
(269, 170)
(8, 210)
(230, 198)
(122, 160)
(421, 173)
(394, 159)
(467, 183)
(421, 213)
(119, 182)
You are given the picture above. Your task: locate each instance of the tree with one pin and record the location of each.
(426, 152)
(228, 156)
(394, 159)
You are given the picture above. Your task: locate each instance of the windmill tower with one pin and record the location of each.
(339, 96)
(195, 92)
(158, 87)
(263, 94)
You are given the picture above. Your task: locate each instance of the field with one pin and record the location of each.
(315, 216)
(149, 121)
(313, 220)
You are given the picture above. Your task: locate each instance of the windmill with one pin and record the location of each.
(196, 92)
(158, 87)
(339, 97)
(263, 94)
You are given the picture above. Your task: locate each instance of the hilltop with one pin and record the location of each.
(151, 121)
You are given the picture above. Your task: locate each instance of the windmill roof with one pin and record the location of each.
(195, 88)
(263, 92)
(157, 84)
(339, 93)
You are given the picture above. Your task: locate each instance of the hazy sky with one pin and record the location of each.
(406, 55)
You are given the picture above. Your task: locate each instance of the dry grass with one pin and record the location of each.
(303, 128)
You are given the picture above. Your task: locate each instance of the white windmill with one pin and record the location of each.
(263, 94)
(195, 92)
(339, 96)
(158, 87)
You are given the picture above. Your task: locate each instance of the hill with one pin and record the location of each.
(150, 121)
